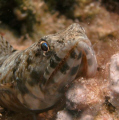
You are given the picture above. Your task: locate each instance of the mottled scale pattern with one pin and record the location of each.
(5, 49)
(33, 80)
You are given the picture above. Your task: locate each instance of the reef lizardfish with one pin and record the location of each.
(33, 79)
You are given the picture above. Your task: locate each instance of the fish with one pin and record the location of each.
(34, 79)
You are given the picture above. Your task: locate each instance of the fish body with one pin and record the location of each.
(33, 79)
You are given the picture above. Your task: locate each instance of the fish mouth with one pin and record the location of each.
(60, 65)
(80, 57)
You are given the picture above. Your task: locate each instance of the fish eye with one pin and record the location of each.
(44, 46)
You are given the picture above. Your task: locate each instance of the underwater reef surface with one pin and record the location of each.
(23, 22)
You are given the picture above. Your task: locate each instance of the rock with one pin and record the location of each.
(114, 73)
(76, 97)
(114, 80)
(63, 115)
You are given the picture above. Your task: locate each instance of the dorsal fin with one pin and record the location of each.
(5, 49)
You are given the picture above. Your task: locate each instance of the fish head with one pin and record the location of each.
(54, 61)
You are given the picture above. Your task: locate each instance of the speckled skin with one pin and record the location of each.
(34, 79)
